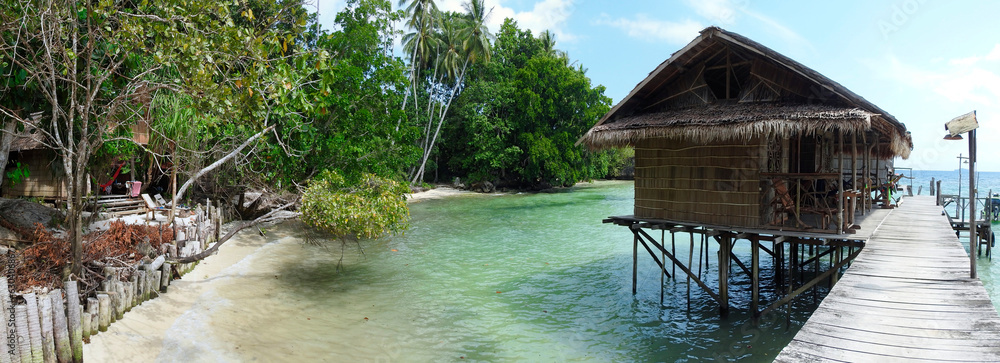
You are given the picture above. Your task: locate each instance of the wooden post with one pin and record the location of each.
(154, 283)
(34, 326)
(48, 338)
(938, 192)
(164, 276)
(841, 228)
(635, 259)
(973, 225)
(140, 288)
(724, 276)
(754, 273)
(120, 300)
(663, 262)
(673, 251)
(94, 311)
(75, 326)
(104, 312)
(838, 255)
(85, 328)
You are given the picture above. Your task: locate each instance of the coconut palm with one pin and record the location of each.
(474, 48)
(548, 41)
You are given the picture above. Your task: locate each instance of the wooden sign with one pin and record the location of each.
(962, 124)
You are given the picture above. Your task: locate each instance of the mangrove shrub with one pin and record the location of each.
(370, 207)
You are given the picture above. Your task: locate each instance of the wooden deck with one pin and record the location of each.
(907, 297)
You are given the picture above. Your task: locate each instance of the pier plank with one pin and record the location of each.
(907, 297)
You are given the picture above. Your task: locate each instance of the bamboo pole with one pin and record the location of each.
(48, 339)
(75, 326)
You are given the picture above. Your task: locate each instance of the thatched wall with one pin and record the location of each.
(716, 184)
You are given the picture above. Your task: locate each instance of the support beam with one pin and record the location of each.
(647, 237)
(791, 296)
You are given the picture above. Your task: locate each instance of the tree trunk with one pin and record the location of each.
(269, 217)
(427, 153)
(180, 193)
(5, 140)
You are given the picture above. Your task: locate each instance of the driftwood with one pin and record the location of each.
(272, 216)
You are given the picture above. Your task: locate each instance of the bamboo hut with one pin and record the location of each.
(731, 134)
(45, 175)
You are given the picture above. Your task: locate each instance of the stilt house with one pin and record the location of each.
(731, 134)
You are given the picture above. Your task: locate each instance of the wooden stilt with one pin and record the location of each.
(690, 262)
(754, 273)
(635, 261)
(663, 266)
(673, 251)
(724, 276)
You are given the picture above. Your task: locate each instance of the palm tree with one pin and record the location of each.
(548, 41)
(475, 46)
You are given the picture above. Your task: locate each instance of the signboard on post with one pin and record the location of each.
(962, 124)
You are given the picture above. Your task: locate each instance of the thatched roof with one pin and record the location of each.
(780, 97)
(29, 138)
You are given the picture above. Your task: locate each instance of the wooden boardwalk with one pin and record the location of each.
(907, 297)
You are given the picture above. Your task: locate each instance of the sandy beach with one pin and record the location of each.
(144, 331)
(436, 193)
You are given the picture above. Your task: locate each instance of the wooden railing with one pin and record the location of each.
(803, 201)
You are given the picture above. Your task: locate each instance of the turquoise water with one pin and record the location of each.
(531, 277)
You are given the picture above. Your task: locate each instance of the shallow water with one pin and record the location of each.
(530, 277)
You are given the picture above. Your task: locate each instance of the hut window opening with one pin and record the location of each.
(804, 154)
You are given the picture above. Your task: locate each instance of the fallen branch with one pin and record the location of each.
(271, 216)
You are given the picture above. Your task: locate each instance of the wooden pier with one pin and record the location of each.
(907, 296)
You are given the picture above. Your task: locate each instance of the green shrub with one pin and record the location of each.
(370, 207)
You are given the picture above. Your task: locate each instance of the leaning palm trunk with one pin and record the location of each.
(427, 152)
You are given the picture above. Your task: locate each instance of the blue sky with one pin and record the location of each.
(923, 61)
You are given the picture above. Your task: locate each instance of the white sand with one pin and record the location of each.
(436, 193)
(142, 333)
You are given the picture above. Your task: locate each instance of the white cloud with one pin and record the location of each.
(720, 12)
(992, 56)
(545, 15)
(962, 81)
(645, 28)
